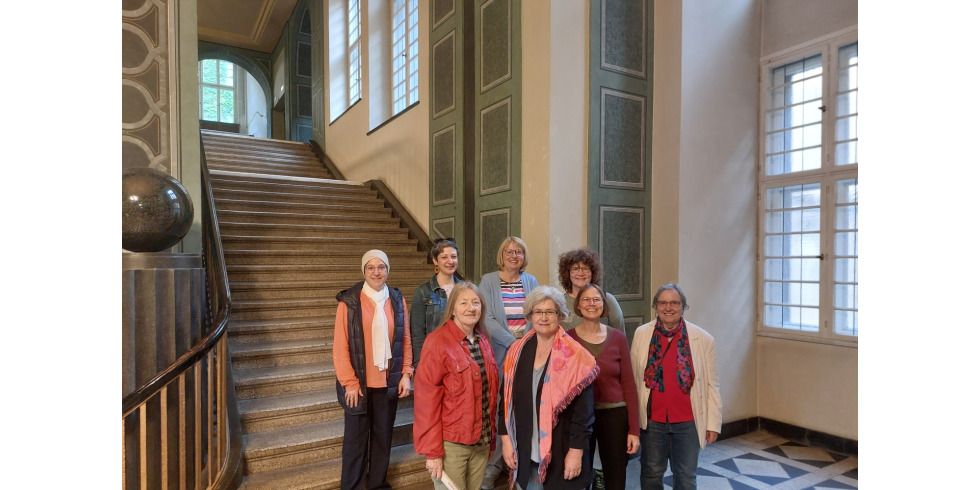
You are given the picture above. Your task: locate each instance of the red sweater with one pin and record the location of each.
(615, 382)
(672, 405)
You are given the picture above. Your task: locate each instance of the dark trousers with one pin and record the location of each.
(674, 442)
(367, 442)
(609, 433)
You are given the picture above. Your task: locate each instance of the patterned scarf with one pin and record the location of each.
(570, 370)
(653, 375)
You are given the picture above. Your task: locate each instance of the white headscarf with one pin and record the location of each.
(380, 347)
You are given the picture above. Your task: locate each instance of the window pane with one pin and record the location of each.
(209, 71)
(791, 293)
(847, 94)
(845, 261)
(227, 74)
(794, 123)
(209, 103)
(845, 270)
(227, 106)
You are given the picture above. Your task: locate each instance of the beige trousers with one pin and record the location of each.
(464, 465)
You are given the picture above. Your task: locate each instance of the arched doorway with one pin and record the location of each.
(232, 99)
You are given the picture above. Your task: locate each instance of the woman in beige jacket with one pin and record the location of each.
(677, 386)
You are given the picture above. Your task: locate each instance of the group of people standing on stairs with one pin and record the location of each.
(512, 376)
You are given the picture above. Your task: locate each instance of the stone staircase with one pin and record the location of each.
(293, 237)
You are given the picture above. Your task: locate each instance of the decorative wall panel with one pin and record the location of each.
(148, 85)
(621, 250)
(495, 44)
(441, 11)
(494, 226)
(622, 139)
(304, 102)
(444, 75)
(444, 166)
(495, 150)
(304, 61)
(444, 228)
(623, 38)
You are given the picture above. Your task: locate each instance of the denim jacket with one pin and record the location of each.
(428, 305)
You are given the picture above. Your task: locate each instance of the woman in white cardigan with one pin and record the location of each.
(677, 386)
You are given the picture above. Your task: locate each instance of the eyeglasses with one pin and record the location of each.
(581, 268)
(544, 313)
(514, 253)
(371, 269)
(591, 301)
(675, 304)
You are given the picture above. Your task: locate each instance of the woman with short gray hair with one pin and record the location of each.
(546, 419)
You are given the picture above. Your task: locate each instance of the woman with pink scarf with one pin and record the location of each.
(546, 418)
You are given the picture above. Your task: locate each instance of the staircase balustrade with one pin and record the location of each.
(182, 429)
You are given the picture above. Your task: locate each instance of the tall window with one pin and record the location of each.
(404, 54)
(809, 199)
(217, 83)
(353, 51)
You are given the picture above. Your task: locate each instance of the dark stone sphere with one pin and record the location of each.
(156, 210)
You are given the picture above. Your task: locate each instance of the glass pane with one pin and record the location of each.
(227, 74)
(209, 71)
(846, 153)
(847, 191)
(811, 269)
(227, 106)
(774, 142)
(810, 294)
(811, 112)
(209, 103)
(774, 198)
(844, 296)
(774, 164)
(847, 128)
(848, 79)
(777, 98)
(774, 222)
(791, 269)
(774, 268)
(811, 244)
(845, 322)
(811, 159)
(847, 103)
(809, 319)
(791, 221)
(845, 270)
(812, 88)
(847, 55)
(846, 243)
(811, 135)
(796, 92)
(810, 219)
(773, 292)
(774, 316)
(847, 217)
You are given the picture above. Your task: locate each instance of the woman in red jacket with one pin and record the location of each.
(456, 388)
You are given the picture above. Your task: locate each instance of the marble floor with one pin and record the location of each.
(763, 460)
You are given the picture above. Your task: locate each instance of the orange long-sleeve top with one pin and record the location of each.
(341, 350)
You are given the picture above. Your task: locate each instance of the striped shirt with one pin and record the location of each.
(513, 295)
(477, 355)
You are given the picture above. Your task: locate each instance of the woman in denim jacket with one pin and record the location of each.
(429, 300)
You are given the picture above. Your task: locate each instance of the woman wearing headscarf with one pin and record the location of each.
(504, 291)
(372, 354)
(680, 403)
(617, 428)
(546, 417)
(456, 389)
(429, 300)
(578, 268)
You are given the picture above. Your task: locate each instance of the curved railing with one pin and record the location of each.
(186, 417)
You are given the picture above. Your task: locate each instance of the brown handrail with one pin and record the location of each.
(407, 220)
(326, 161)
(216, 441)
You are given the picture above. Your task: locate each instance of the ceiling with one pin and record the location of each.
(249, 24)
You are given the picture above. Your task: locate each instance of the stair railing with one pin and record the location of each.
(186, 417)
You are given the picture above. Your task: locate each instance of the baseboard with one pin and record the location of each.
(793, 432)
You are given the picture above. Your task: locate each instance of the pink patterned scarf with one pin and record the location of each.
(570, 370)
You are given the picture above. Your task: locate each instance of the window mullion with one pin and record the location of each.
(828, 215)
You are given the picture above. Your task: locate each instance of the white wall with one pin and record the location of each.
(717, 186)
(398, 152)
(803, 383)
(256, 111)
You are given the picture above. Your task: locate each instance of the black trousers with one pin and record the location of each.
(367, 442)
(609, 433)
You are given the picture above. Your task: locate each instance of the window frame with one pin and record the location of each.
(236, 90)
(405, 70)
(827, 175)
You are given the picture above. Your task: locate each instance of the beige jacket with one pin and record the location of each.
(705, 396)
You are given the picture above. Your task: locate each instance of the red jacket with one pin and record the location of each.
(449, 392)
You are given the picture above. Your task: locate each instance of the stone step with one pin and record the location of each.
(308, 443)
(391, 230)
(226, 154)
(271, 309)
(406, 471)
(365, 208)
(309, 328)
(321, 244)
(281, 380)
(310, 196)
(298, 290)
(262, 182)
(314, 258)
(262, 150)
(347, 272)
(379, 218)
(275, 412)
(306, 171)
(240, 141)
(280, 352)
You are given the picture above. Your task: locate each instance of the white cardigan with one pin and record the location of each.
(705, 396)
